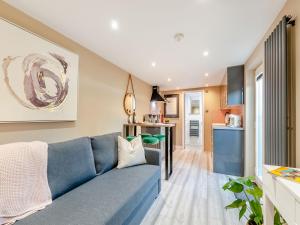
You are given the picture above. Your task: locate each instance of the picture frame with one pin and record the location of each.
(171, 106)
(38, 78)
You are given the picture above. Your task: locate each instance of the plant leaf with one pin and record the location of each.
(242, 211)
(277, 218)
(227, 185)
(236, 187)
(252, 178)
(256, 210)
(246, 181)
(252, 216)
(256, 192)
(236, 204)
(258, 220)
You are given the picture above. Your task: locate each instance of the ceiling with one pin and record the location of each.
(228, 30)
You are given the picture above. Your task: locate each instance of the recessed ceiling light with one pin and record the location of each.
(206, 85)
(169, 79)
(177, 88)
(114, 25)
(178, 37)
(205, 53)
(153, 64)
(206, 74)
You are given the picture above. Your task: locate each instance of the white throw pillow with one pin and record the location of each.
(130, 153)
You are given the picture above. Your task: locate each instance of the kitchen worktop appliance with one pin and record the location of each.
(234, 120)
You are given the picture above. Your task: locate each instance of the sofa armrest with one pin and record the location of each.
(153, 156)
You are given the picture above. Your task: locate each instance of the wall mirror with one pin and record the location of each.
(171, 108)
(129, 102)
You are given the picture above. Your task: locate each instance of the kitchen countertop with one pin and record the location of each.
(222, 126)
(145, 124)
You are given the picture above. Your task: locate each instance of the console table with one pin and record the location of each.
(283, 194)
(168, 127)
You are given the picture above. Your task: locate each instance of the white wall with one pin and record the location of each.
(102, 86)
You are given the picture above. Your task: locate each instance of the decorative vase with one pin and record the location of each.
(134, 117)
(129, 119)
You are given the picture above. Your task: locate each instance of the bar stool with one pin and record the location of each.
(145, 135)
(130, 138)
(160, 137)
(150, 140)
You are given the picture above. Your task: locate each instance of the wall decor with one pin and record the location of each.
(38, 79)
(129, 102)
(171, 108)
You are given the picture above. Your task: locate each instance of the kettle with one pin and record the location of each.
(234, 120)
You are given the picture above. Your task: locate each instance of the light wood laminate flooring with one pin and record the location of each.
(193, 195)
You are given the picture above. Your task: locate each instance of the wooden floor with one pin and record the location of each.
(193, 195)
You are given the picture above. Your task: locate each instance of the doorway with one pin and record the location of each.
(193, 120)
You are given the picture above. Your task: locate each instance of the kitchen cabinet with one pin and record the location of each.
(223, 97)
(228, 150)
(235, 85)
(232, 90)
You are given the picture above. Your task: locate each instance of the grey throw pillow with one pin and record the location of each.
(105, 149)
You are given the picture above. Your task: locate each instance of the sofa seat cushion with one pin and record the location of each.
(107, 199)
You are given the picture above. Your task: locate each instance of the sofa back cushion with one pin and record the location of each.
(105, 149)
(70, 164)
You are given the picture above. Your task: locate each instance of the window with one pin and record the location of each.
(259, 148)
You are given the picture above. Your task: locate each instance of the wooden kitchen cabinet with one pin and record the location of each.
(223, 97)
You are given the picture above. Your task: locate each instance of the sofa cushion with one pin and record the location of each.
(108, 199)
(70, 164)
(130, 153)
(105, 149)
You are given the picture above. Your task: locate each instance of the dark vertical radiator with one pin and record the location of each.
(277, 151)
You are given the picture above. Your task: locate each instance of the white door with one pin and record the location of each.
(193, 119)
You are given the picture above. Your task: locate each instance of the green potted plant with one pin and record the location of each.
(250, 196)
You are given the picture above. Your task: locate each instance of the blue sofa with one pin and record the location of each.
(88, 189)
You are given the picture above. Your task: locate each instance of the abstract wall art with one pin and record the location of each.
(38, 79)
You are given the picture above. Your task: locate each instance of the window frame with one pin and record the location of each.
(259, 77)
